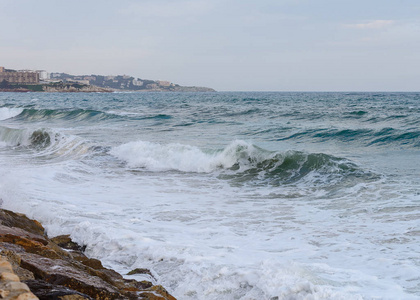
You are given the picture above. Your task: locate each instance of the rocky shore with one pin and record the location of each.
(34, 266)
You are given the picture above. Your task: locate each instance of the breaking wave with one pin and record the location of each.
(44, 142)
(240, 162)
(33, 114)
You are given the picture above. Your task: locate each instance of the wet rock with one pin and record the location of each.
(31, 246)
(157, 292)
(64, 241)
(55, 273)
(141, 271)
(64, 273)
(47, 291)
(12, 219)
(40, 138)
(10, 285)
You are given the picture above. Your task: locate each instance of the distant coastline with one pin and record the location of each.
(42, 81)
(55, 88)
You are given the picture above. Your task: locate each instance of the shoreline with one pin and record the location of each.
(34, 266)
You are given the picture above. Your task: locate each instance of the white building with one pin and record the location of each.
(137, 82)
(43, 75)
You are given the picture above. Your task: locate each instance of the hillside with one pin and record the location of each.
(126, 83)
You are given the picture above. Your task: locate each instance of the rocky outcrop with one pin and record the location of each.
(33, 265)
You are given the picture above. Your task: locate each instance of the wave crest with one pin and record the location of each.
(31, 114)
(44, 142)
(239, 162)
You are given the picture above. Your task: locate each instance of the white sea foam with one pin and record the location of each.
(14, 137)
(122, 113)
(186, 158)
(9, 112)
(205, 239)
(180, 209)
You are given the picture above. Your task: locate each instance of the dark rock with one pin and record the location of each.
(40, 138)
(47, 291)
(157, 292)
(141, 271)
(61, 272)
(64, 241)
(90, 262)
(12, 219)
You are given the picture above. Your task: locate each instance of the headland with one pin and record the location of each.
(42, 81)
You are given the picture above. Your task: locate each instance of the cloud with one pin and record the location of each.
(167, 9)
(376, 24)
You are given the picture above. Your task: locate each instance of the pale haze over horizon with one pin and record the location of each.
(230, 45)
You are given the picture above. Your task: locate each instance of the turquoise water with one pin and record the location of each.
(227, 195)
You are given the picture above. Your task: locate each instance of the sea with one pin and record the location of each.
(226, 195)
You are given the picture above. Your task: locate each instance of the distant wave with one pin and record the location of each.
(368, 137)
(157, 116)
(32, 114)
(240, 162)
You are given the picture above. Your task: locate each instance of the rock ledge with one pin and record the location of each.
(32, 266)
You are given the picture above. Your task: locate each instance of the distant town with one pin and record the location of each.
(43, 81)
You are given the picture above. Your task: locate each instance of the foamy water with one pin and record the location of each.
(227, 195)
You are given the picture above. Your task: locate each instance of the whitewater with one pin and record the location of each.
(226, 195)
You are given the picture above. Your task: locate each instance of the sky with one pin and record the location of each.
(229, 45)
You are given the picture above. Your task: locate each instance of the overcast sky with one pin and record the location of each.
(229, 45)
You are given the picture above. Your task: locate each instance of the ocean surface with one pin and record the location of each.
(226, 195)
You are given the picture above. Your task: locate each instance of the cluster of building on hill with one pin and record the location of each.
(126, 83)
(119, 82)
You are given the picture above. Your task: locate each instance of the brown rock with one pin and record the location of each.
(156, 292)
(27, 296)
(61, 272)
(14, 259)
(64, 241)
(8, 276)
(31, 246)
(4, 230)
(55, 273)
(141, 271)
(5, 265)
(16, 286)
(4, 293)
(12, 219)
(90, 262)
